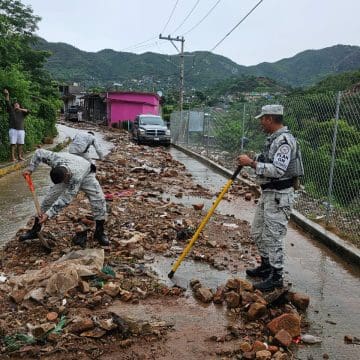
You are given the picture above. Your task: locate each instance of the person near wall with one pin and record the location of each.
(70, 174)
(17, 116)
(277, 170)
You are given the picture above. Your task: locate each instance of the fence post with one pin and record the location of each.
(333, 156)
(188, 126)
(243, 130)
(207, 136)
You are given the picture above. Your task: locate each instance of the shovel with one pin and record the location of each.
(41, 237)
(204, 222)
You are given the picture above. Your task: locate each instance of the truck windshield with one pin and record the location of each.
(151, 121)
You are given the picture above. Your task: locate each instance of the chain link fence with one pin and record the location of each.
(327, 126)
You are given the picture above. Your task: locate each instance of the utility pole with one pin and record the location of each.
(181, 53)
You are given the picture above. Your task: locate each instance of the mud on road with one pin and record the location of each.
(111, 303)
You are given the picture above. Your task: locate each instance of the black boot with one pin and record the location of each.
(99, 233)
(80, 238)
(33, 232)
(274, 280)
(262, 271)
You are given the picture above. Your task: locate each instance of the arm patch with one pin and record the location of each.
(282, 157)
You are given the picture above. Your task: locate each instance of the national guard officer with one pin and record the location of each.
(277, 170)
(81, 145)
(70, 174)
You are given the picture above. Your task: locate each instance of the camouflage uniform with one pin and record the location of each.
(60, 195)
(81, 144)
(277, 164)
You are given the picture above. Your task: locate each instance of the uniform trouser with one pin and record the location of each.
(269, 226)
(90, 186)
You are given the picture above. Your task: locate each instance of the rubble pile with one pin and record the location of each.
(58, 302)
(266, 324)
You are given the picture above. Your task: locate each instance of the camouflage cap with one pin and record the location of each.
(271, 110)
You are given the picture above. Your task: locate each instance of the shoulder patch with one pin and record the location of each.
(282, 157)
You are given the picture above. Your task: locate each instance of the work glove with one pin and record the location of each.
(92, 168)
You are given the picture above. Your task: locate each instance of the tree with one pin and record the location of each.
(22, 72)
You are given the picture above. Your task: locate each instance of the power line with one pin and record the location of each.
(172, 13)
(135, 46)
(187, 16)
(207, 14)
(236, 25)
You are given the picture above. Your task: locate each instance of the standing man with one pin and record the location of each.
(277, 169)
(81, 145)
(70, 174)
(16, 126)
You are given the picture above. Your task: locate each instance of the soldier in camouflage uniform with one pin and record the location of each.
(81, 144)
(70, 174)
(277, 169)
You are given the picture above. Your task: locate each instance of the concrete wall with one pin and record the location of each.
(125, 106)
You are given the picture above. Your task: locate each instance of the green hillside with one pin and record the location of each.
(202, 69)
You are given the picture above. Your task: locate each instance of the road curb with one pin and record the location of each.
(347, 251)
(11, 167)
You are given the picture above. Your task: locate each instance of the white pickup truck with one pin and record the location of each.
(150, 129)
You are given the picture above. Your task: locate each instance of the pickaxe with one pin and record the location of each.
(30, 183)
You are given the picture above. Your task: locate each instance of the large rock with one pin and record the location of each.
(232, 299)
(258, 346)
(204, 295)
(256, 310)
(60, 283)
(80, 326)
(40, 330)
(301, 301)
(239, 284)
(249, 355)
(283, 337)
(111, 289)
(280, 356)
(245, 346)
(288, 322)
(18, 295)
(138, 252)
(219, 295)
(263, 355)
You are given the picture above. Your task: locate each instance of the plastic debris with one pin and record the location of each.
(59, 326)
(108, 270)
(15, 342)
(310, 339)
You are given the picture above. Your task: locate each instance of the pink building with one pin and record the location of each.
(125, 106)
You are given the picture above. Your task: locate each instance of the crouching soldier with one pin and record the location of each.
(70, 174)
(81, 145)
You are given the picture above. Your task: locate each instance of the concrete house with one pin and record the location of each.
(125, 106)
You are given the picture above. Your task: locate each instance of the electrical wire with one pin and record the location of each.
(172, 13)
(138, 44)
(187, 16)
(135, 46)
(207, 14)
(236, 25)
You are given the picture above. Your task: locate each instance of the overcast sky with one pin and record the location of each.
(276, 29)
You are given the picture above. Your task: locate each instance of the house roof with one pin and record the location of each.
(134, 93)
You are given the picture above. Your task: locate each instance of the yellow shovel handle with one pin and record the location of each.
(203, 223)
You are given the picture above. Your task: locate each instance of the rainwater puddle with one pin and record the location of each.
(195, 322)
(16, 202)
(188, 270)
(331, 283)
